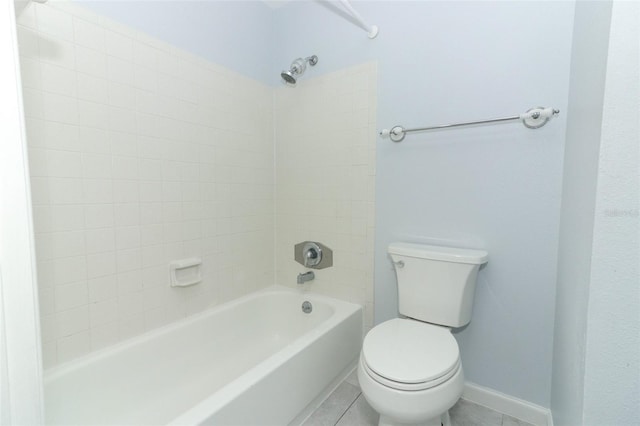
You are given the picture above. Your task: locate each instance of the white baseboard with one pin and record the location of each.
(509, 405)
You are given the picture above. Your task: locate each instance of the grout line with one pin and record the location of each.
(348, 408)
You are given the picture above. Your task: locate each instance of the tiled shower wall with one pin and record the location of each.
(140, 154)
(325, 177)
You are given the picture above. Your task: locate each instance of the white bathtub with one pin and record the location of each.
(258, 360)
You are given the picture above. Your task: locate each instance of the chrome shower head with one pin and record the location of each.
(288, 77)
(298, 67)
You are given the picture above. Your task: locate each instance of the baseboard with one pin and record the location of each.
(509, 405)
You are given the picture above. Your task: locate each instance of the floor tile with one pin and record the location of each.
(353, 379)
(512, 421)
(334, 406)
(466, 413)
(359, 414)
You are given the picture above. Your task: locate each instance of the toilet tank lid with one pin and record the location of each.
(445, 254)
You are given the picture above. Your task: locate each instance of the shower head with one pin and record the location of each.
(297, 68)
(288, 77)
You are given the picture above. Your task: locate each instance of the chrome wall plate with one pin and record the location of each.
(313, 255)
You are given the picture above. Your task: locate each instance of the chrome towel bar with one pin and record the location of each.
(533, 119)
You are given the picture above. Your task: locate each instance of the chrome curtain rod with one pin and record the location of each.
(533, 119)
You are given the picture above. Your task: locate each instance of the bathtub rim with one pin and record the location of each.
(199, 412)
(54, 373)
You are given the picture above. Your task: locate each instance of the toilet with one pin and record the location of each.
(409, 368)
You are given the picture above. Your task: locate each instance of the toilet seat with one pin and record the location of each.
(405, 354)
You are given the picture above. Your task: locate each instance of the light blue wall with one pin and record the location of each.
(235, 34)
(496, 187)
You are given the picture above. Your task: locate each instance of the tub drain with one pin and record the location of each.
(306, 307)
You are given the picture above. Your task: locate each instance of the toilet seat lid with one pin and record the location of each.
(409, 351)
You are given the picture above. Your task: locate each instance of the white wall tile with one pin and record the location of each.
(100, 240)
(49, 354)
(46, 297)
(102, 288)
(67, 218)
(150, 234)
(56, 51)
(67, 244)
(126, 191)
(129, 282)
(93, 89)
(38, 162)
(101, 313)
(131, 326)
(91, 114)
(73, 346)
(151, 191)
(28, 42)
(34, 106)
(150, 169)
(122, 120)
(93, 140)
(91, 62)
(119, 71)
(119, 45)
(153, 255)
(120, 95)
(60, 80)
(72, 321)
(99, 216)
(88, 34)
(104, 335)
(125, 167)
(127, 237)
(64, 164)
(146, 55)
(127, 175)
(96, 166)
(129, 260)
(71, 296)
(97, 191)
(155, 276)
(101, 264)
(123, 144)
(127, 214)
(59, 108)
(54, 22)
(343, 202)
(30, 71)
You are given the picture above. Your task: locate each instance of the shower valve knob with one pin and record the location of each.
(314, 255)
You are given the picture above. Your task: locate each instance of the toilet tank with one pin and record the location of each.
(436, 284)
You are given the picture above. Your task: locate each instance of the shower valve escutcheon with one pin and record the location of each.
(314, 255)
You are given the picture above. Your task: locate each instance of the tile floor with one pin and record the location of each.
(346, 406)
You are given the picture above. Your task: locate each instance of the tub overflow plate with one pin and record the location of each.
(306, 307)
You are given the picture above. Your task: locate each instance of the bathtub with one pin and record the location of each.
(258, 360)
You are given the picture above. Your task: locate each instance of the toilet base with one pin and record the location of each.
(443, 420)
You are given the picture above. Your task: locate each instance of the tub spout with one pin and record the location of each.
(307, 276)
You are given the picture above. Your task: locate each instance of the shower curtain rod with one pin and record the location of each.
(372, 30)
(532, 119)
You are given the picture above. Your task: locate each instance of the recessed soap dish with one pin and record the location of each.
(185, 272)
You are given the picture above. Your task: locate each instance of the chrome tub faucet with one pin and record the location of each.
(307, 276)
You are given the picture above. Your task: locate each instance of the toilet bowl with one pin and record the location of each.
(409, 368)
(410, 372)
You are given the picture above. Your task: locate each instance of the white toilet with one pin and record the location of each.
(409, 369)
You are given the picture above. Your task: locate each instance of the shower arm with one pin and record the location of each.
(372, 30)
